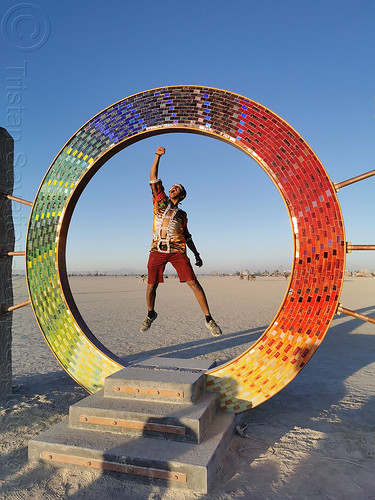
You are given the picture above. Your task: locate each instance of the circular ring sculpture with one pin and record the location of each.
(310, 197)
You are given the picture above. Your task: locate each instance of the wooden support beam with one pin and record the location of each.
(132, 424)
(96, 463)
(149, 392)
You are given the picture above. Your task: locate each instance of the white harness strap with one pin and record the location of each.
(163, 243)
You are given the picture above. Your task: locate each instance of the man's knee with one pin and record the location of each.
(151, 287)
(194, 284)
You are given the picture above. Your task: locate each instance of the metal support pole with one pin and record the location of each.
(354, 314)
(4, 310)
(4, 253)
(361, 177)
(19, 200)
(350, 247)
(18, 306)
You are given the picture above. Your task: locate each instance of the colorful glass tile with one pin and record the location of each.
(310, 198)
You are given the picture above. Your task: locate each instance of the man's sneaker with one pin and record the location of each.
(214, 328)
(147, 323)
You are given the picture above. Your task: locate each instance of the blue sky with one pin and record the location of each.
(311, 62)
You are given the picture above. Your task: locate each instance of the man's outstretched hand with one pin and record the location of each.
(198, 261)
(160, 151)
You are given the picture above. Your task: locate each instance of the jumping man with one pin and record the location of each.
(170, 238)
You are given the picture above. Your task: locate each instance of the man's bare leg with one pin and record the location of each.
(200, 296)
(151, 296)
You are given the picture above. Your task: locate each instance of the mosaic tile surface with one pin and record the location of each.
(319, 239)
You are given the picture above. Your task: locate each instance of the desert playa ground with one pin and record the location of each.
(314, 439)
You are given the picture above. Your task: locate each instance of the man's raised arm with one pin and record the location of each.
(155, 165)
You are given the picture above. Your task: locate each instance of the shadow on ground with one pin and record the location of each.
(323, 409)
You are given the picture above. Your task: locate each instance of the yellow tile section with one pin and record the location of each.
(78, 154)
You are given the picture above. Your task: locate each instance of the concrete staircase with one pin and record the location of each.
(152, 421)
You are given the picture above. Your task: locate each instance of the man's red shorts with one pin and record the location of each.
(158, 260)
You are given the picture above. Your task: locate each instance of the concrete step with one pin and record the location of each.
(156, 383)
(166, 463)
(178, 363)
(187, 423)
